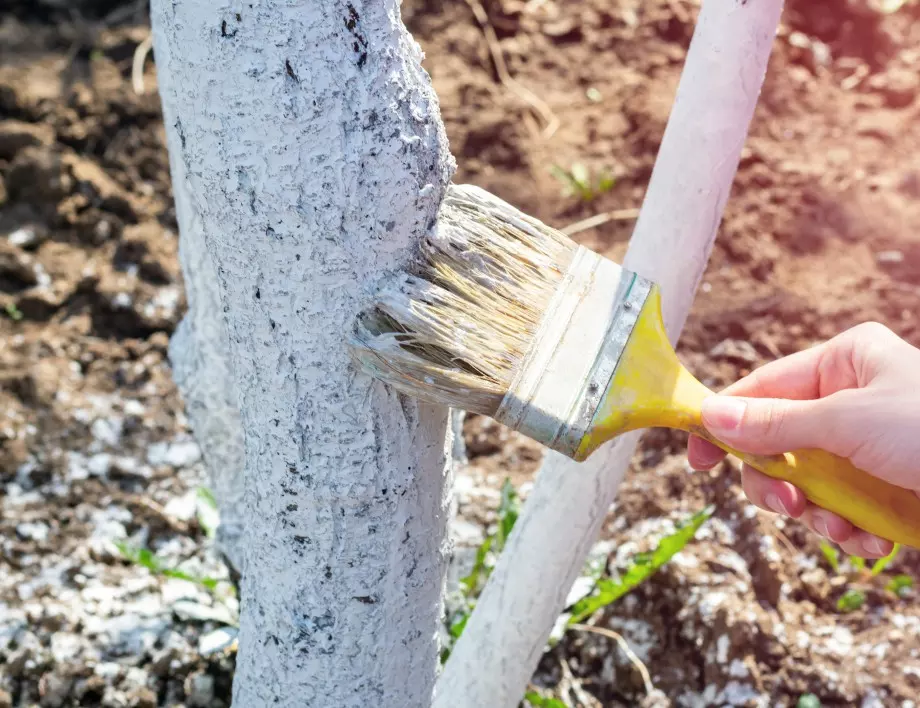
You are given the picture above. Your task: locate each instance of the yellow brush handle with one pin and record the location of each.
(651, 388)
(837, 485)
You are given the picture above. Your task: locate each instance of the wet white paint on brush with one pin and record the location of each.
(456, 329)
(506, 317)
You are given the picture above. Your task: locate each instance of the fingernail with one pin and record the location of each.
(722, 413)
(874, 547)
(821, 527)
(776, 504)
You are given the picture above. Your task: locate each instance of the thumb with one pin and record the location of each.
(767, 426)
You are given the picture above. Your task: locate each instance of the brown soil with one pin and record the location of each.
(822, 232)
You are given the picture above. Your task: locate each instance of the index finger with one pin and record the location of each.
(794, 377)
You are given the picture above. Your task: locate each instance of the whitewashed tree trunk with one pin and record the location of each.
(501, 645)
(315, 158)
(200, 358)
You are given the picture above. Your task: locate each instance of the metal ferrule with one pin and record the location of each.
(575, 352)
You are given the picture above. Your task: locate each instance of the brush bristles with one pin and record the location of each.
(455, 328)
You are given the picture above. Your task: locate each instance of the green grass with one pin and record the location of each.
(642, 567)
(508, 509)
(536, 700)
(606, 590)
(207, 512)
(579, 182)
(146, 558)
(486, 555)
(853, 598)
(900, 584)
(832, 556)
(13, 312)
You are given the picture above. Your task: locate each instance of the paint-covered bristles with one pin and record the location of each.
(455, 328)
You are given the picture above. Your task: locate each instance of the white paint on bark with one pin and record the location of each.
(315, 157)
(199, 354)
(502, 643)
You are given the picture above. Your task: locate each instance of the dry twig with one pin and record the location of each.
(174, 524)
(571, 685)
(784, 539)
(525, 94)
(598, 219)
(636, 661)
(137, 68)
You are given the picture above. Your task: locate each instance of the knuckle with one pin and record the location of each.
(773, 420)
(873, 331)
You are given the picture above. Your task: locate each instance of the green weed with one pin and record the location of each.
(831, 556)
(13, 312)
(900, 585)
(207, 512)
(579, 182)
(508, 509)
(609, 590)
(208, 520)
(148, 559)
(882, 563)
(853, 598)
(537, 701)
(604, 590)
(486, 555)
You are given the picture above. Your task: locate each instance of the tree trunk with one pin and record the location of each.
(200, 358)
(501, 644)
(315, 157)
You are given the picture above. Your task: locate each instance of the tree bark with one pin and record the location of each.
(495, 657)
(200, 358)
(315, 157)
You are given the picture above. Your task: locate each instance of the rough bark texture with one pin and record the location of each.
(200, 358)
(495, 657)
(315, 156)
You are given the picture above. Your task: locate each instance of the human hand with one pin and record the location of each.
(856, 395)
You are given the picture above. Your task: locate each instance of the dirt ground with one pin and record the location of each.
(822, 232)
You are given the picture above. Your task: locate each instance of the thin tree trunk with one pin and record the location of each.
(501, 645)
(200, 358)
(315, 157)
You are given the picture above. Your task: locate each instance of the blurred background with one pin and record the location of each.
(111, 593)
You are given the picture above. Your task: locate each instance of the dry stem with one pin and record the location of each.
(636, 661)
(599, 219)
(525, 94)
(137, 66)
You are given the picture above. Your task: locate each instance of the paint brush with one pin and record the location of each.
(501, 315)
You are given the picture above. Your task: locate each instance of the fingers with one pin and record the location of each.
(795, 377)
(769, 426)
(865, 545)
(785, 499)
(817, 372)
(702, 454)
(852, 541)
(827, 524)
(772, 494)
